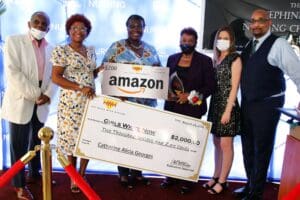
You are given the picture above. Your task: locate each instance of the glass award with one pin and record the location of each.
(175, 87)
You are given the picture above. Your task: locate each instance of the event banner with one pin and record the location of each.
(140, 137)
(285, 18)
(135, 81)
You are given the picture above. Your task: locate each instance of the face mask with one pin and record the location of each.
(223, 45)
(187, 49)
(37, 34)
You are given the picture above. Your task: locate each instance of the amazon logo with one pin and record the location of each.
(140, 83)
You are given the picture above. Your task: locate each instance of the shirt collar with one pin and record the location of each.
(35, 42)
(265, 36)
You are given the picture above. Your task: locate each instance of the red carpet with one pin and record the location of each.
(108, 188)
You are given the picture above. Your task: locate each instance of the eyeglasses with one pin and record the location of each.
(78, 28)
(259, 21)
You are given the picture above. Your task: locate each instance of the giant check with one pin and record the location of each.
(141, 137)
(135, 81)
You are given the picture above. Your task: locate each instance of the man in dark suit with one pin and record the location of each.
(265, 60)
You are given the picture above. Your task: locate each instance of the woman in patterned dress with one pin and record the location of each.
(224, 110)
(133, 51)
(74, 70)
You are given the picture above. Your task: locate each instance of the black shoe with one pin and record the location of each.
(241, 192)
(185, 190)
(74, 188)
(165, 184)
(213, 182)
(224, 186)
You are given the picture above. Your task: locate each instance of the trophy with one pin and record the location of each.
(175, 87)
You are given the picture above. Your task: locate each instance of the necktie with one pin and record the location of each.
(254, 43)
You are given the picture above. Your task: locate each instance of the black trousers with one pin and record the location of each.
(24, 137)
(259, 123)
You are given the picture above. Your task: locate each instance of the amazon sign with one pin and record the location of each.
(130, 80)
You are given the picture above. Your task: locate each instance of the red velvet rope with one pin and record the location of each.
(5, 178)
(293, 194)
(80, 182)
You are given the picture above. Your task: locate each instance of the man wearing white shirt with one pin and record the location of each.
(262, 88)
(28, 93)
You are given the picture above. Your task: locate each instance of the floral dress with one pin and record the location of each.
(71, 103)
(119, 52)
(219, 98)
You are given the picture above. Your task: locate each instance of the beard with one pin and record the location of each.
(257, 33)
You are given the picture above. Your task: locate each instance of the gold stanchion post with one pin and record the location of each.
(46, 134)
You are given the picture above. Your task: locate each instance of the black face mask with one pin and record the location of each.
(187, 49)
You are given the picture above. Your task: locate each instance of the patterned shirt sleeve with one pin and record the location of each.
(58, 56)
(158, 63)
(111, 51)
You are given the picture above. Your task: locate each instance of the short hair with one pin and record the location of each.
(78, 18)
(135, 17)
(40, 13)
(189, 31)
(263, 11)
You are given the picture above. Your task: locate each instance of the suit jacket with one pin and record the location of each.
(22, 81)
(201, 79)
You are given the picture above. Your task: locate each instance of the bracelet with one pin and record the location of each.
(81, 86)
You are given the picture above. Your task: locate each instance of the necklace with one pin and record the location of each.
(81, 49)
(134, 46)
(186, 58)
